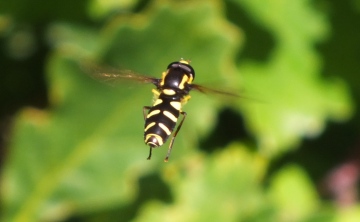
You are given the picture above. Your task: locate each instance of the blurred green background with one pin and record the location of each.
(72, 147)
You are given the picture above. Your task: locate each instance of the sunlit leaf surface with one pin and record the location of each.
(85, 153)
(87, 150)
(296, 100)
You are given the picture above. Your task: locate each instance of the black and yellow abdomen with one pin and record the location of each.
(161, 120)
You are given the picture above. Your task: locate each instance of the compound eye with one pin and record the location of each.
(185, 67)
(173, 65)
(191, 71)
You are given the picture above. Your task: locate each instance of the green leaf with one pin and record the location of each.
(229, 180)
(293, 194)
(77, 156)
(102, 8)
(294, 100)
(86, 152)
(350, 214)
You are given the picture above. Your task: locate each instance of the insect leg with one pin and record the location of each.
(145, 109)
(174, 135)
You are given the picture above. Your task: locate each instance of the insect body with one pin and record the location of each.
(172, 92)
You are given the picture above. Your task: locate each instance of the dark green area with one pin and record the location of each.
(71, 149)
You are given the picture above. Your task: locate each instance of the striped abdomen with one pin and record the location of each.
(161, 120)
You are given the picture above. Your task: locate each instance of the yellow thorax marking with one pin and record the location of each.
(156, 92)
(185, 99)
(183, 81)
(163, 77)
(168, 92)
(190, 79)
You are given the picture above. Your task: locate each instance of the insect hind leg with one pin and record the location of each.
(145, 109)
(174, 135)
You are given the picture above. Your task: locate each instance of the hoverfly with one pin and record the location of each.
(171, 93)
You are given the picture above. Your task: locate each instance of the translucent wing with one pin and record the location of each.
(206, 90)
(114, 76)
(124, 75)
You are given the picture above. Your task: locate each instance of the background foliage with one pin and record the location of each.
(72, 147)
